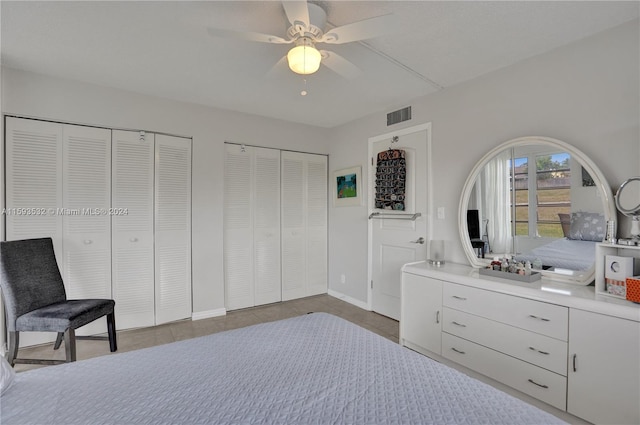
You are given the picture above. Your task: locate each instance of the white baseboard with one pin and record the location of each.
(363, 305)
(199, 315)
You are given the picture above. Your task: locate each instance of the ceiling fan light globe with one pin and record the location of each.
(304, 59)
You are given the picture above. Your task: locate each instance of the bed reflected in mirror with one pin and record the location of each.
(538, 200)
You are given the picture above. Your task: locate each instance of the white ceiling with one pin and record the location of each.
(163, 49)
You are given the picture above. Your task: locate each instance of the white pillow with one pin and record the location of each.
(7, 375)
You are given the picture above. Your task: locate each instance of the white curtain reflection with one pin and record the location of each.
(495, 180)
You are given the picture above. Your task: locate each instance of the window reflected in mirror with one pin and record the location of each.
(540, 196)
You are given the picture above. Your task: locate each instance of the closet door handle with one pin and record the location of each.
(575, 357)
(438, 316)
(535, 383)
(459, 324)
(539, 351)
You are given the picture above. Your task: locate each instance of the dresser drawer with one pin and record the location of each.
(540, 317)
(541, 350)
(532, 380)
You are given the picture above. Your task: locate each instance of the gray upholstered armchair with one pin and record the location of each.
(35, 299)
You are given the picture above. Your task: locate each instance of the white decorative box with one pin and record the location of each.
(616, 271)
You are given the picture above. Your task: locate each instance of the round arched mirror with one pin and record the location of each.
(540, 200)
(628, 203)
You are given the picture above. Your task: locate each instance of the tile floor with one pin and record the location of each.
(146, 337)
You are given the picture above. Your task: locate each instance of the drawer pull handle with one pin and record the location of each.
(535, 383)
(539, 318)
(457, 351)
(459, 324)
(459, 298)
(539, 351)
(438, 316)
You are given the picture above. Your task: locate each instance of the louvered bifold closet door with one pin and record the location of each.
(34, 189)
(266, 226)
(86, 220)
(132, 228)
(316, 225)
(304, 224)
(294, 237)
(172, 228)
(238, 227)
(34, 181)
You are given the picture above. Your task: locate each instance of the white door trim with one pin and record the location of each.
(371, 183)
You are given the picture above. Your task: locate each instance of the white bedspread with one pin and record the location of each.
(312, 369)
(563, 253)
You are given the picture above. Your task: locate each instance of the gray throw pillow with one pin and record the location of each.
(587, 226)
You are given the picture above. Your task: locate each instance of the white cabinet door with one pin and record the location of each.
(252, 226)
(132, 229)
(421, 313)
(316, 180)
(172, 228)
(86, 223)
(238, 227)
(266, 226)
(34, 190)
(304, 225)
(34, 181)
(604, 368)
(294, 236)
(86, 220)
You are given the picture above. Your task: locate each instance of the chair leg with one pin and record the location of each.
(14, 342)
(59, 339)
(111, 328)
(70, 345)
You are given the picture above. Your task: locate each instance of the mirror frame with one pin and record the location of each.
(629, 212)
(606, 195)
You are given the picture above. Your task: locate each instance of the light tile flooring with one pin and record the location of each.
(146, 337)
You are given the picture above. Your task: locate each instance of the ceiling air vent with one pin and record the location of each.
(400, 115)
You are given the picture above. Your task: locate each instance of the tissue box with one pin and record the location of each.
(633, 289)
(616, 271)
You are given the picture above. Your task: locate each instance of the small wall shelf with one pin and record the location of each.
(604, 249)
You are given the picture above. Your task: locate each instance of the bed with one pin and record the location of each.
(311, 369)
(577, 250)
(563, 253)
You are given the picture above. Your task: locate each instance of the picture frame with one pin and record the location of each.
(347, 187)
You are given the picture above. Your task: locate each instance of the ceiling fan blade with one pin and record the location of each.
(339, 65)
(249, 36)
(278, 68)
(297, 13)
(361, 30)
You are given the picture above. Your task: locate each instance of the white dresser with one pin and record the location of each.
(562, 344)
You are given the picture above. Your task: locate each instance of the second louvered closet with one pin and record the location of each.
(275, 225)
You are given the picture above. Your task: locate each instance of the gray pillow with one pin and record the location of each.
(587, 226)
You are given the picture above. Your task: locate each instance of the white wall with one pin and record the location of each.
(28, 94)
(586, 94)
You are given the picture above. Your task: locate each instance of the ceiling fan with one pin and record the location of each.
(307, 28)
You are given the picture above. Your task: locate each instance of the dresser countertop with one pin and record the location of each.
(546, 290)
